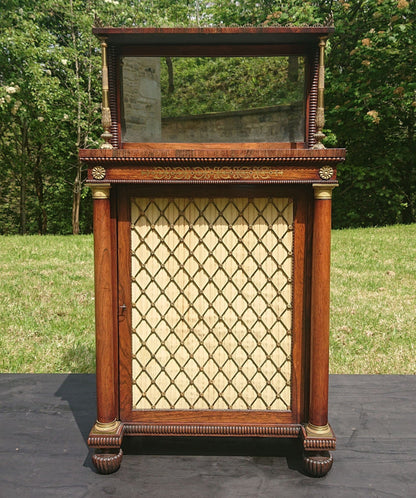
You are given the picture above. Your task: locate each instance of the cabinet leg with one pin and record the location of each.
(317, 463)
(106, 438)
(107, 461)
(317, 441)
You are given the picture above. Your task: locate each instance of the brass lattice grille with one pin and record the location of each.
(212, 303)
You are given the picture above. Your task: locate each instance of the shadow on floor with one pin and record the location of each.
(260, 449)
(78, 390)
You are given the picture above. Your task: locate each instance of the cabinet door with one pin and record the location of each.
(213, 282)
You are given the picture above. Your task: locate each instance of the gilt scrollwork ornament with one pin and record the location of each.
(326, 172)
(98, 173)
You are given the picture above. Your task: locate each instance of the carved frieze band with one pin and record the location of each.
(215, 430)
(201, 173)
(214, 174)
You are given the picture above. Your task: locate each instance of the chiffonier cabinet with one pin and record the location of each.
(212, 218)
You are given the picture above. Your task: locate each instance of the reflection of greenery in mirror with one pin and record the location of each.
(213, 99)
(199, 85)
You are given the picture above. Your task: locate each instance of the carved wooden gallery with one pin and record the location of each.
(212, 217)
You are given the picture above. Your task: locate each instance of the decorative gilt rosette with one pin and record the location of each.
(98, 173)
(326, 172)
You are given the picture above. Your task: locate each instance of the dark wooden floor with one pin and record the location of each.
(45, 419)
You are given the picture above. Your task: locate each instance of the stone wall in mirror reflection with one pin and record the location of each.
(213, 99)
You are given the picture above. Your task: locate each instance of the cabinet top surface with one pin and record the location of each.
(214, 35)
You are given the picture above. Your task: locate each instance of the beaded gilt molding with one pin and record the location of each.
(212, 303)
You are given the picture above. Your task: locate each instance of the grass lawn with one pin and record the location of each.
(47, 302)
(373, 308)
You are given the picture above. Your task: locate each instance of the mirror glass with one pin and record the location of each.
(213, 99)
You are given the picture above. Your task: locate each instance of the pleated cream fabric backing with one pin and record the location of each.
(212, 303)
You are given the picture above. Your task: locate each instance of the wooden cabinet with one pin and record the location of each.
(212, 219)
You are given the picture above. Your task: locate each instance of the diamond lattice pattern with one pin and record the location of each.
(211, 303)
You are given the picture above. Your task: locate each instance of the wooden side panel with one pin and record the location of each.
(114, 286)
(300, 301)
(124, 301)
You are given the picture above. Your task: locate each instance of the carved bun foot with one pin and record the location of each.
(317, 463)
(107, 462)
